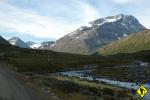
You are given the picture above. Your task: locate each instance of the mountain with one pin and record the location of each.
(3, 41)
(46, 45)
(87, 40)
(33, 45)
(133, 43)
(18, 42)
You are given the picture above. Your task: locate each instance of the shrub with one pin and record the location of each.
(107, 91)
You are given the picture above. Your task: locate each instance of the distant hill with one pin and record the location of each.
(133, 43)
(18, 42)
(3, 41)
(87, 40)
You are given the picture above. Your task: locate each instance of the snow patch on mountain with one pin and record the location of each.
(46, 45)
(109, 19)
(87, 39)
(33, 45)
(18, 42)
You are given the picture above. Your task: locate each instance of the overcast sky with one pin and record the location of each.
(42, 20)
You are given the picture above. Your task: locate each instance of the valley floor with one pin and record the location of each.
(32, 86)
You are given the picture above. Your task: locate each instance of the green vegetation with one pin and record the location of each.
(132, 73)
(43, 60)
(76, 89)
(133, 43)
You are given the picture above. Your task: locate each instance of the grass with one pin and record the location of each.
(133, 43)
(76, 89)
(43, 60)
(119, 73)
(132, 73)
(84, 83)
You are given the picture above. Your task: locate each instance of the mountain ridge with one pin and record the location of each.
(3, 41)
(86, 40)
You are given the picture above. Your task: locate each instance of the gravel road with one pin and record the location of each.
(13, 89)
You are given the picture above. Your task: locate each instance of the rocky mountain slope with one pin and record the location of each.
(46, 45)
(133, 43)
(18, 42)
(86, 40)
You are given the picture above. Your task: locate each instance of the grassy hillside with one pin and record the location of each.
(133, 43)
(43, 60)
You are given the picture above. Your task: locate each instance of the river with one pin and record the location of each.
(85, 74)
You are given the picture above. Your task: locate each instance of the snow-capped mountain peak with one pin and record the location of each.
(114, 18)
(33, 45)
(18, 42)
(88, 39)
(13, 40)
(108, 19)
